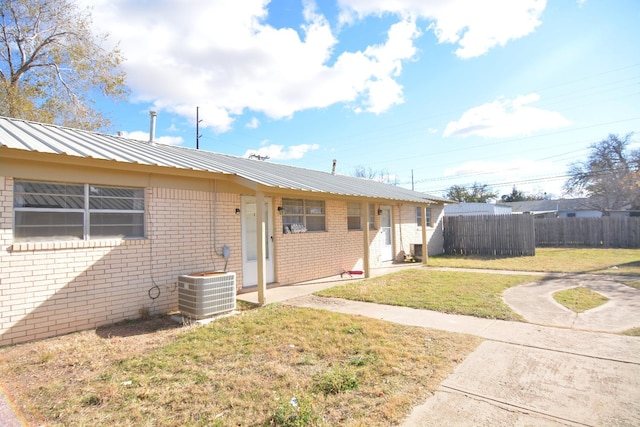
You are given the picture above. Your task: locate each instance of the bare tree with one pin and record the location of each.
(381, 175)
(610, 177)
(51, 63)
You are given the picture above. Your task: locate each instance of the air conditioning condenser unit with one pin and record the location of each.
(202, 295)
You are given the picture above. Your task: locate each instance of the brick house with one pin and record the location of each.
(96, 228)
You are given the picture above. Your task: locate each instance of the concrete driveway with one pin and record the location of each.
(542, 373)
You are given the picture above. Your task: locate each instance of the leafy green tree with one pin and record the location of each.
(519, 196)
(51, 64)
(610, 176)
(476, 193)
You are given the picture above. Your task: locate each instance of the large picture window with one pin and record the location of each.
(300, 215)
(55, 211)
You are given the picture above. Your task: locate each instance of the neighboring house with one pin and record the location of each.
(474, 209)
(561, 208)
(96, 228)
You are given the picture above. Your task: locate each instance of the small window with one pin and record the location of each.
(303, 215)
(571, 215)
(354, 217)
(372, 217)
(57, 211)
(419, 216)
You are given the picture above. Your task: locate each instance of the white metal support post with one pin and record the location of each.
(364, 207)
(261, 229)
(423, 225)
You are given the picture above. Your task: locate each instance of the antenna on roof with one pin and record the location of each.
(198, 128)
(258, 156)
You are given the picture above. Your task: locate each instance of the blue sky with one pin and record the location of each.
(499, 92)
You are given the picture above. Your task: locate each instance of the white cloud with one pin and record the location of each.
(528, 176)
(504, 118)
(515, 167)
(475, 26)
(224, 58)
(144, 136)
(254, 123)
(279, 152)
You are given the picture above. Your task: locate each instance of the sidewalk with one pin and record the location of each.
(9, 416)
(524, 373)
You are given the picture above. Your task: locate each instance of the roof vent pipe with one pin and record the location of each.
(333, 169)
(152, 126)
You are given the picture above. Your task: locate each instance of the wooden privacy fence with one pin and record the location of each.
(605, 232)
(494, 235)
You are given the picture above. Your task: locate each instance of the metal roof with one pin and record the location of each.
(556, 205)
(45, 138)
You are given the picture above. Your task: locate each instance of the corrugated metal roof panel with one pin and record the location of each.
(44, 138)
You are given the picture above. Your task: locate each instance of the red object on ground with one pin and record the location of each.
(351, 272)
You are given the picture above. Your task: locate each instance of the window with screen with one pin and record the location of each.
(46, 211)
(354, 216)
(419, 211)
(300, 216)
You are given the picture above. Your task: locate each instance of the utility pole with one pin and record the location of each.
(412, 189)
(198, 128)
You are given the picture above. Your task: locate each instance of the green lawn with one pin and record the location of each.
(560, 260)
(580, 299)
(473, 294)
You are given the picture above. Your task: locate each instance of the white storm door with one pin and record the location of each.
(250, 241)
(386, 237)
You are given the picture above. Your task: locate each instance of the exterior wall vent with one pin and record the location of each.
(416, 250)
(202, 295)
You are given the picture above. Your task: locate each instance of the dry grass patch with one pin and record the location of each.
(276, 365)
(631, 283)
(561, 260)
(635, 332)
(472, 294)
(579, 299)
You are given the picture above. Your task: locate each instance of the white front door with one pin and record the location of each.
(250, 241)
(386, 235)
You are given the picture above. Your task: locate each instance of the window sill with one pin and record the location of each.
(304, 232)
(73, 244)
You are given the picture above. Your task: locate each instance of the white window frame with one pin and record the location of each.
(352, 208)
(86, 212)
(429, 213)
(372, 217)
(305, 209)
